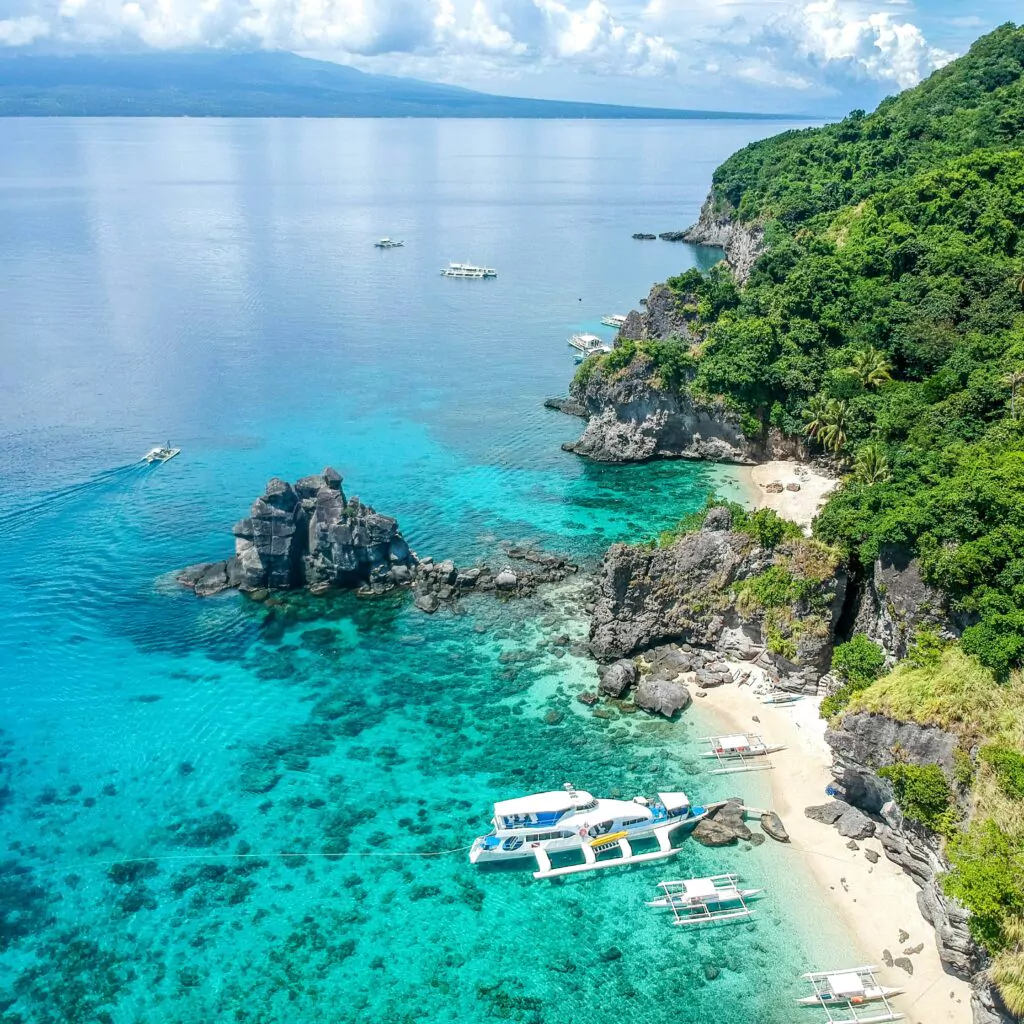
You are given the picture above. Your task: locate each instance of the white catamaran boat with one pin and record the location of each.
(160, 454)
(703, 900)
(854, 994)
(571, 821)
(468, 270)
(740, 753)
(616, 320)
(588, 345)
(388, 243)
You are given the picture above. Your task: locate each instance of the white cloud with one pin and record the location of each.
(22, 31)
(836, 41)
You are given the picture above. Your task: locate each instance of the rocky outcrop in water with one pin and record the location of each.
(863, 743)
(743, 243)
(309, 535)
(702, 591)
(632, 417)
(312, 537)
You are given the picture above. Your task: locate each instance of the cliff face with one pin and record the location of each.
(862, 744)
(631, 419)
(897, 602)
(703, 590)
(743, 243)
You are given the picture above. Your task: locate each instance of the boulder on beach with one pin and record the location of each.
(723, 826)
(771, 825)
(662, 696)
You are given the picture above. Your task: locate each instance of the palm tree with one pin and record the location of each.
(871, 467)
(815, 413)
(1013, 380)
(832, 435)
(872, 366)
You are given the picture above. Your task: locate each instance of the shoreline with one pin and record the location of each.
(801, 505)
(875, 901)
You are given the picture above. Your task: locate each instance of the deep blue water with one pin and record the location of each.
(206, 818)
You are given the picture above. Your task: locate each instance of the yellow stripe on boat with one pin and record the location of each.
(612, 837)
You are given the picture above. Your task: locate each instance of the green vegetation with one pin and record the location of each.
(764, 525)
(1008, 765)
(941, 685)
(857, 663)
(923, 794)
(885, 324)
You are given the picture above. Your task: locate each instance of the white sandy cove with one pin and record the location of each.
(799, 506)
(878, 899)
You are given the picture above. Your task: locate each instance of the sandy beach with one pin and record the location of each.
(800, 506)
(876, 901)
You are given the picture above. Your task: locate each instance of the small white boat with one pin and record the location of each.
(589, 345)
(616, 320)
(854, 993)
(571, 821)
(468, 270)
(740, 753)
(703, 900)
(780, 697)
(160, 454)
(388, 243)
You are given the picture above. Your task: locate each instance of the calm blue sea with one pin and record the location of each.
(209, 815)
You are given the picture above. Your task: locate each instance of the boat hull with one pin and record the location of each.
(870, 995)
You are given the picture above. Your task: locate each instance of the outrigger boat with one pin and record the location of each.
(388, 243)
(740, 753)
(616, 320)
(468, 270)
(855, 991)
(571, 821)
(160, 454)
(780, 697)
(703, 900)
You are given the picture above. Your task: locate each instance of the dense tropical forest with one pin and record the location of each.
(885, 325)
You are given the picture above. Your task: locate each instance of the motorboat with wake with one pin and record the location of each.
(164, 454)
(572, 821)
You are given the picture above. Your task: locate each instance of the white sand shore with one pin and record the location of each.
(875, 901)
(799, 506)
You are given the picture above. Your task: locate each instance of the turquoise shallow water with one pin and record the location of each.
(206, 816)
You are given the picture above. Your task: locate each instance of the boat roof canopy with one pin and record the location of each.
(733, 741)
(701, 887)
(846, 984)
(674, 801)
(543, 803)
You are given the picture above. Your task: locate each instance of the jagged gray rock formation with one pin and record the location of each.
(863, 743)
(693, 593)
(308, 536)
(631, 419)
(312, 536)
(618, 678)
(897, 601)
(723, 826)
(743, 243)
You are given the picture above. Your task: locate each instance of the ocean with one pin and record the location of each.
(212, 812)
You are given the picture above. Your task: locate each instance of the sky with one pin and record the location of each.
(820, 57)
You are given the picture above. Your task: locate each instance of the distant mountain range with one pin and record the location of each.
(213, 84)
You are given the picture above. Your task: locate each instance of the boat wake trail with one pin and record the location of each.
(61, 499)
